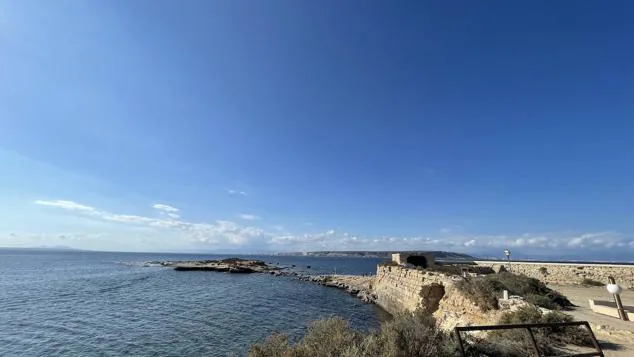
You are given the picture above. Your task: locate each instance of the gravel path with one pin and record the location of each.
(609, 330)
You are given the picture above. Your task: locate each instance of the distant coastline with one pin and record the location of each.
(560, 261)
(378, 254)
(44, 249)
(440, 255)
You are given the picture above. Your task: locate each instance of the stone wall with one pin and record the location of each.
(428, 260)
(401, 289)
(569, 273)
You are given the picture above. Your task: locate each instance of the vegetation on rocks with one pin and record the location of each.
(389, 263)
(416, 335)
(484, 291)
(591, 282)
(406, 335)
(452, 269)
(516, 342)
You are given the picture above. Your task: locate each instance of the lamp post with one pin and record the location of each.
(508, 257)
(615, 290)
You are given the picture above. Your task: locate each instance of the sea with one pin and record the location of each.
(109, 304)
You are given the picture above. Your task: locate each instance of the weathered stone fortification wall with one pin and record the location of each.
(401, 289)
(569, 273)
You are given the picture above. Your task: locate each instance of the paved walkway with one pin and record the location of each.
(616, 336)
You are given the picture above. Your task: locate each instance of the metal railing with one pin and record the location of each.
(529, 327)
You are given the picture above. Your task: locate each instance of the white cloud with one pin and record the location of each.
(234, 192)
(69, 205)
(469, 243)
(224, 233)
(249, 217)
(218, 232)
(165, 208)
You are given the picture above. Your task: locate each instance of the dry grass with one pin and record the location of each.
(516, 342)
(591, 282)
(416, 335)
(404, 336)
(484, 291)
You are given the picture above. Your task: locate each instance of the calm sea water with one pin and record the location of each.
(107, 304)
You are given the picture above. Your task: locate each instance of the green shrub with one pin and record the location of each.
(328, 337)
(409, 335)
(412, 335)
(485, 290)
(388, 263)
(275, 346)
(447, 269)
(590, 282)
(416, 335)
(516, 342)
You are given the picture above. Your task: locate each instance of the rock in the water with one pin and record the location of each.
(231, 265)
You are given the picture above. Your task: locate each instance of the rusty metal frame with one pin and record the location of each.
(529, 327)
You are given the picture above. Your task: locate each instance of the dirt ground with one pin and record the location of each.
(616, 336)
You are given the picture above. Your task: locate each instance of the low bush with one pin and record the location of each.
(416, 335)
(404, 336)
(388, 263)
(485, 290)
(516, 342)
(459, 269)
(590, 282)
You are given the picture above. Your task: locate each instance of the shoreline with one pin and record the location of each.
(359, 286)
(356, 285)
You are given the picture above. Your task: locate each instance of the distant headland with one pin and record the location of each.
(442, 255)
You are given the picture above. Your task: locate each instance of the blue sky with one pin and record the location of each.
(294, 125)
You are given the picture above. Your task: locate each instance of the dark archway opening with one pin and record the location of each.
(418, 261)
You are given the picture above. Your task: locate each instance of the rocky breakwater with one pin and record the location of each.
(230, 265)
(359, 286)
(356, 285)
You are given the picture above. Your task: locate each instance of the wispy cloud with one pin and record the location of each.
(234, 192)
(165, 208)
(546, 243)
(69, 205)
(218, 232)
(227, 233)
(249, 217)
